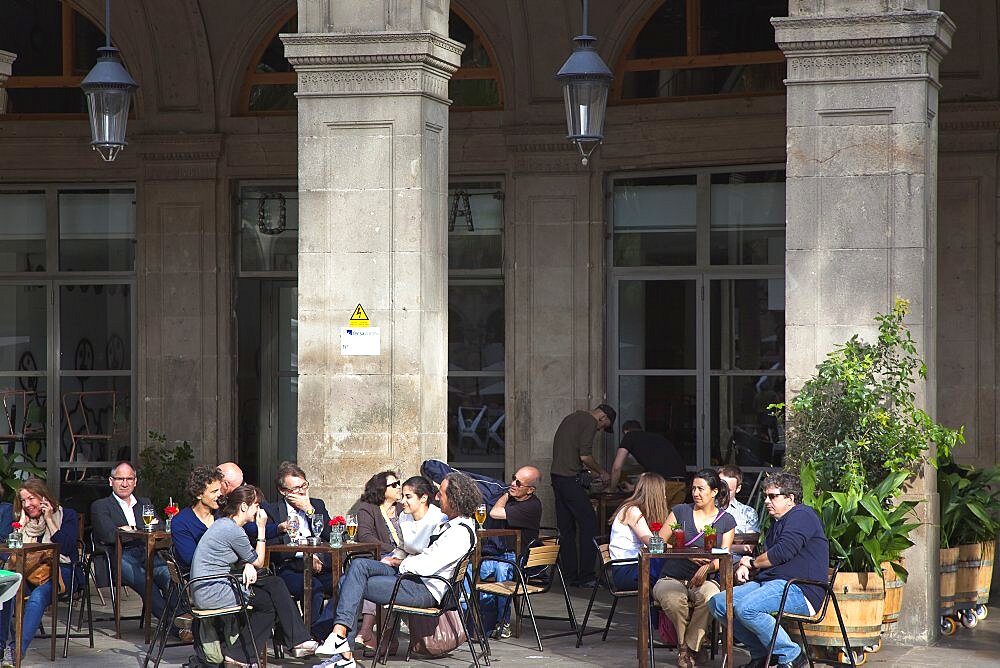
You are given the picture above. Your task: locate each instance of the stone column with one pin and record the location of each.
(861, 204)
(373, 182)
(6, 64)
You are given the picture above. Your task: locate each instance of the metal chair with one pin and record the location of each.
(542, 559)
(831, 595)
(21, 425)
(81, 571)
(451, 601)
(89, 426)
(606, 573)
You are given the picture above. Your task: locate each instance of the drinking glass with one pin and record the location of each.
(318, 522)
(481, 515)
(148, 516)
(352, 528)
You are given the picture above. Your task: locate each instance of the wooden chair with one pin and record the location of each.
(831, 596)
(606, 574)
(450, 601)
(534, 574)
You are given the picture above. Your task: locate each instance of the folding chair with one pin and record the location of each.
(542, 559)
(606, 574)
(89, 429)
(79, 577)
(450, 601)
(469, 418)
(820, 615)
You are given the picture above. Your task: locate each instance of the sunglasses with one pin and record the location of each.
(772, 497)
(517, 483)
(393, 484)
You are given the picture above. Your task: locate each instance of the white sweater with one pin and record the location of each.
(443, 555)
(416, 534)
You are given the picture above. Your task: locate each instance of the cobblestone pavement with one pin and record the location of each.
(975, 648)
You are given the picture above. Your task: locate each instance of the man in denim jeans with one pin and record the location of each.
(795, 547)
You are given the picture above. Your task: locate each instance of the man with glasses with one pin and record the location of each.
(123, 510)
(795, 547)
(293, 487)
(517, 508)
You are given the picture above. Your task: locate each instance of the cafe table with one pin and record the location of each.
(20, 558)
(725, 559)
(152, 540)
(338, 556)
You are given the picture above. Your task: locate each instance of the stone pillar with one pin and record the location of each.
(373, 182)
(861, 204)
(6, 64)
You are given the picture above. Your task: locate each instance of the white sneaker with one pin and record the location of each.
(341, 663)
(333, 645)
(8, 658)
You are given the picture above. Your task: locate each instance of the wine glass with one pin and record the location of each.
(352, 527)
(148, 516)
(318, 522)
(481, 515)
(292, 528)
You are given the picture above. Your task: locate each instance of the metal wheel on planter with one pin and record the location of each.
(948, 626)
(968, 618)
(981, 611)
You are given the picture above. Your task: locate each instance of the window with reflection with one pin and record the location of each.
(270, 81)
(97, 230)
(56, 46)
(269, 227)
(654, 220)
(476, 322)
(23, 228)
(689, 48)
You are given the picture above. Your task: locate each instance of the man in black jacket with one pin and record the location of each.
(295, 500)
(122, 509)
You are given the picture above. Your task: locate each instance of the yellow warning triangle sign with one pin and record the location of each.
(359, 318)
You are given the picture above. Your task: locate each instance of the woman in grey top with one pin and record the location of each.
(224, 549)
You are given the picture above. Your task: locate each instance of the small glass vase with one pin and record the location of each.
(15, 539)
(166, 524)
(336, 538)
(655, 544)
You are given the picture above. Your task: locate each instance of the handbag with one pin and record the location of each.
(436, 636)
(37, 570)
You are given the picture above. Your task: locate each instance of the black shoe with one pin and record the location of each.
(586, 583)
(754, 663)
(797, 662)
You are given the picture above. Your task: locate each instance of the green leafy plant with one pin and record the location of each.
(709, 530)
(864, 526)
(164, 469)
(970, 503)
(856, 418)
(14, 469)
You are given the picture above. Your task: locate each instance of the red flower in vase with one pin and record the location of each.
(16, 526)
(171, 510)
(337, 521)
(656, 526)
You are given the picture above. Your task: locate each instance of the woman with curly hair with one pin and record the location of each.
(375, 580)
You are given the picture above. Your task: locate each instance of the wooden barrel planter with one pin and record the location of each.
(988, 553)
(948, 560)
(970, 560)
(893, 596)
(862, 602)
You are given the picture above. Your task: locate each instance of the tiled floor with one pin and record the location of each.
(979, 647)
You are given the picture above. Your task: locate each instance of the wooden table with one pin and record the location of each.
(477, 556)
(337, 555)
(152, 538)
(725, 560)
(601, 501)
(21, 554)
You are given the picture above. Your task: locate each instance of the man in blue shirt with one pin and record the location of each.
(795, 547)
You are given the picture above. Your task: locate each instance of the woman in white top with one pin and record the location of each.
(418, 519)
(630, 528)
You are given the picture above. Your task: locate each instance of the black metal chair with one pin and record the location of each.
(606, 574)
(534, 573)
(80, 577)
(174, 597)
(831, 596)
(451, 601)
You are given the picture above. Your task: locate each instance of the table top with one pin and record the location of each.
(29, 547)
(135, 533)
(324, 547)
(685, 552)
(487, 533)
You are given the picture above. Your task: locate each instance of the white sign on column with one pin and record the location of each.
(354, 341)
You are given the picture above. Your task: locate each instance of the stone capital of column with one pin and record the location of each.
(6, 65)
(854, 47)
(365, 64)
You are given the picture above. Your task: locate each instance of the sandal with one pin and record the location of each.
(684, 657)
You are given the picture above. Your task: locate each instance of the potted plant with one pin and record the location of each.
(970, 520)
(164, 468)
(856, 435)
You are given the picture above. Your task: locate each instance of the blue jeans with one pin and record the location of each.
(374, 581)
(322, 583)
(626, 576)
(494, 609)
(754, 605)
(38, 600)
(134, 577)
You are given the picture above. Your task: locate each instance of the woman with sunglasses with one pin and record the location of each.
(378, 522)
(685, 588)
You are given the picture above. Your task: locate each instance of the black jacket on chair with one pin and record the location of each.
(278, 513)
